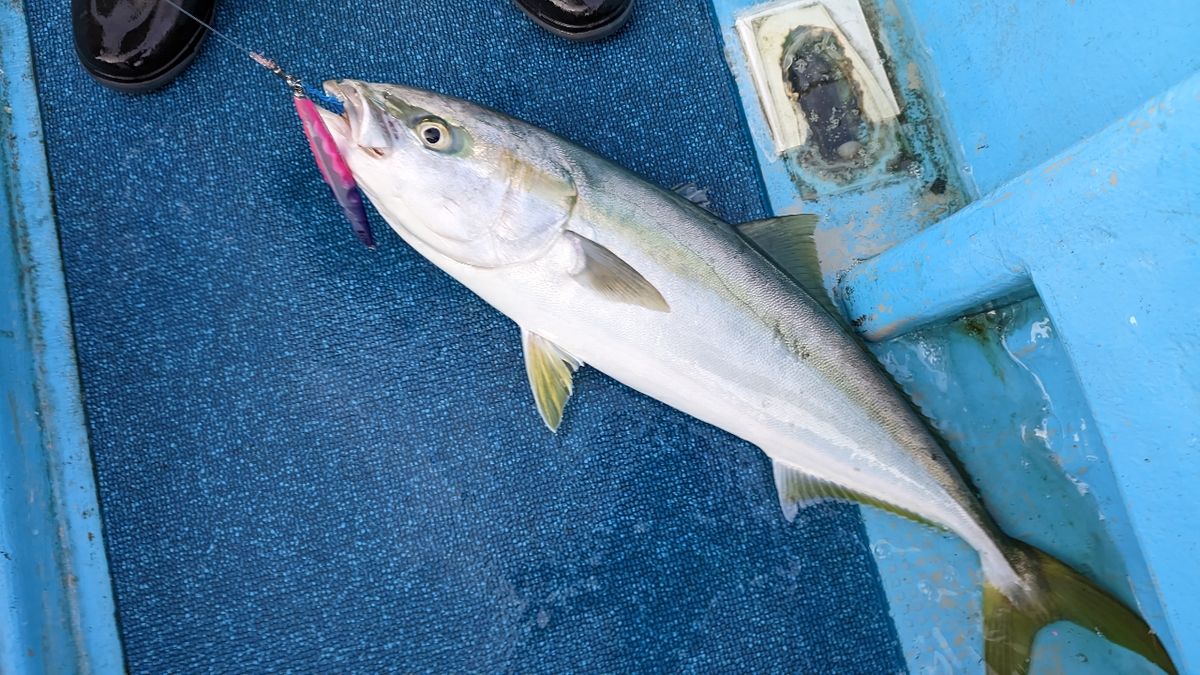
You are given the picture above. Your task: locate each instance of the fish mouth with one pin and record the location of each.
(363, 120)
(350, 98)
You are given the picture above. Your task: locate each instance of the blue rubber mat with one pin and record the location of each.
(316, 457)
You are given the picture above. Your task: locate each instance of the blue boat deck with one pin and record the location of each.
(312, 456)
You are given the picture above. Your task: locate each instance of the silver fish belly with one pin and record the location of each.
(747, 350)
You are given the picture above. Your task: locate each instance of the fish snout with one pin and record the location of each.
(362, 121)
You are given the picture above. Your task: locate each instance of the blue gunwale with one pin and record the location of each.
(55, 589)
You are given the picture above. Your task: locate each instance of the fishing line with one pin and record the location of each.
(332, 164)
(298, 87)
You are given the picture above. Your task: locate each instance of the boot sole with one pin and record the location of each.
(588, 35)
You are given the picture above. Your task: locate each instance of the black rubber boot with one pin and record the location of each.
(137, 45)
(578, 19)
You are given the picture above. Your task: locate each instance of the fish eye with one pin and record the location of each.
(434, 134)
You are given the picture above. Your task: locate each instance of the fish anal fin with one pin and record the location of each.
(797, 488)
(607, 274)
(551, 373)
(789, 242)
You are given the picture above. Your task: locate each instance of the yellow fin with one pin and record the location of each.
(551, 373)
(1062, 594)
(797, 488)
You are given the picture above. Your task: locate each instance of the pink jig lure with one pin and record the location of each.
(333, 166)
(334, 169)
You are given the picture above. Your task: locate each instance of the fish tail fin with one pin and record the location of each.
(1062, 595)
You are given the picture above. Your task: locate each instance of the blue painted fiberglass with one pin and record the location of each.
(313, 457)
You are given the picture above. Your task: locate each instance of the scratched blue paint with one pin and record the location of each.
(1000, 385)
(991, 90)
(1106, 235)
(56, 606)
(1021, 81)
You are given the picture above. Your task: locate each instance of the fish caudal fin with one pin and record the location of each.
(1064, 595)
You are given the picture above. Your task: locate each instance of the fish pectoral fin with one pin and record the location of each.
(551, 373)
(694, 194)
(797, 488)
(602, 271)
(789, 242)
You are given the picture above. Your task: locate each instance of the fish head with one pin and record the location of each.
(469, 183)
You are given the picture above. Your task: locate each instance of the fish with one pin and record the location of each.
(729, 324)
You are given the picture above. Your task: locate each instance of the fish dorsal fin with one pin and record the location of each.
(797, 488)
(551, 373)
(602, 271)
(694, 194)
(789, 242)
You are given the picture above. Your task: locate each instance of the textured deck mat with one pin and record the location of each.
(316, 457)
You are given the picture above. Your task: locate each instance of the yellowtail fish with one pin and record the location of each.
(728, 324)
